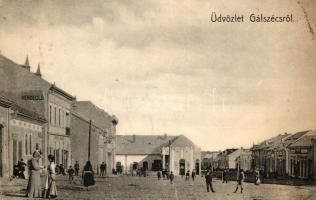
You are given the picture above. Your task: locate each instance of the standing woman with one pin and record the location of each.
(51, 178)
(34, 184)
(88, 175)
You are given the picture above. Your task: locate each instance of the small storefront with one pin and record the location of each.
(301, 165)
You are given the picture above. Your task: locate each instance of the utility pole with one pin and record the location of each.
(169, 155)
(90, 125)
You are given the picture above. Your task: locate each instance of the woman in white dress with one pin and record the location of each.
(51, 189)
(34, 184)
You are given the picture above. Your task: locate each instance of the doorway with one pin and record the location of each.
(182, 167)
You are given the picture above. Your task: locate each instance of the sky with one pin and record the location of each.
(163, 67)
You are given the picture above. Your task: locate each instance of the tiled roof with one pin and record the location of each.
(305, 140)
(27, 113)
(21, 110)
(148, 144)
(290, 140)
(270, 143)
(5, 102)
(20, 69)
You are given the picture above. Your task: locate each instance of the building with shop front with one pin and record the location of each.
(209, 160)
(31, 91)
(26, 133)
(102, 139)
(264, 154)
(281, 153)
(225, 161)
(151, 152)
(242, 159)
(302, 156)
(5, 169)
(21, 131)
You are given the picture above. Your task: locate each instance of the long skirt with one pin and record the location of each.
(34, 185)
(52, 189)
(88, 179)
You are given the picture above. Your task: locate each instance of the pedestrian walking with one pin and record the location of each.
(224, 176)
(182, 171)
(193, 175)
(71, 173)
(159, 175)
(34, 184)
(15, 171)
(167, 174)
(88, 175)
(208, 181)
(257, 177)
(50, 186)
(171, 177)
(187, 175)
(240, 181)
(62, 169)
(163, 174)
(102, 169)
(77, 167)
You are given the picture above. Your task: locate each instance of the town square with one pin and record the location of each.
(129, 187)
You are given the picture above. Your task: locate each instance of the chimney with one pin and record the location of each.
(165, 135)
(134, 138)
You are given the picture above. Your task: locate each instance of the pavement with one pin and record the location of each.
(131, 187)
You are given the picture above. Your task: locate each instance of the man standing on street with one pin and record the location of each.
(208, 180)
(171, 177)
(102, 169)
(240, 180)
(225, 176)
(76, 168)
(193, 174)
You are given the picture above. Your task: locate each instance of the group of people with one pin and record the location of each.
(165, 175)
(34, 186)
(240, 180)
(19, 169)
(209, 177)
(193, 175)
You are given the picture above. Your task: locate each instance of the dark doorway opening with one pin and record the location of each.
(182, 167)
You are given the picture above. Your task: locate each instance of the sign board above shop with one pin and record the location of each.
(32, 96)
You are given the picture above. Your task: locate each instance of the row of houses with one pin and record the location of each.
(37, 114)
(287, 155)
(228, 159)
(291, 155)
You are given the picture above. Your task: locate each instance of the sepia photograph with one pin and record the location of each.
(158, 99)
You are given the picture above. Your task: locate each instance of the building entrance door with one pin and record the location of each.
(182, 167)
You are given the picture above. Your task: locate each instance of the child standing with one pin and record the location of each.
(71, 173)
(171, 177)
